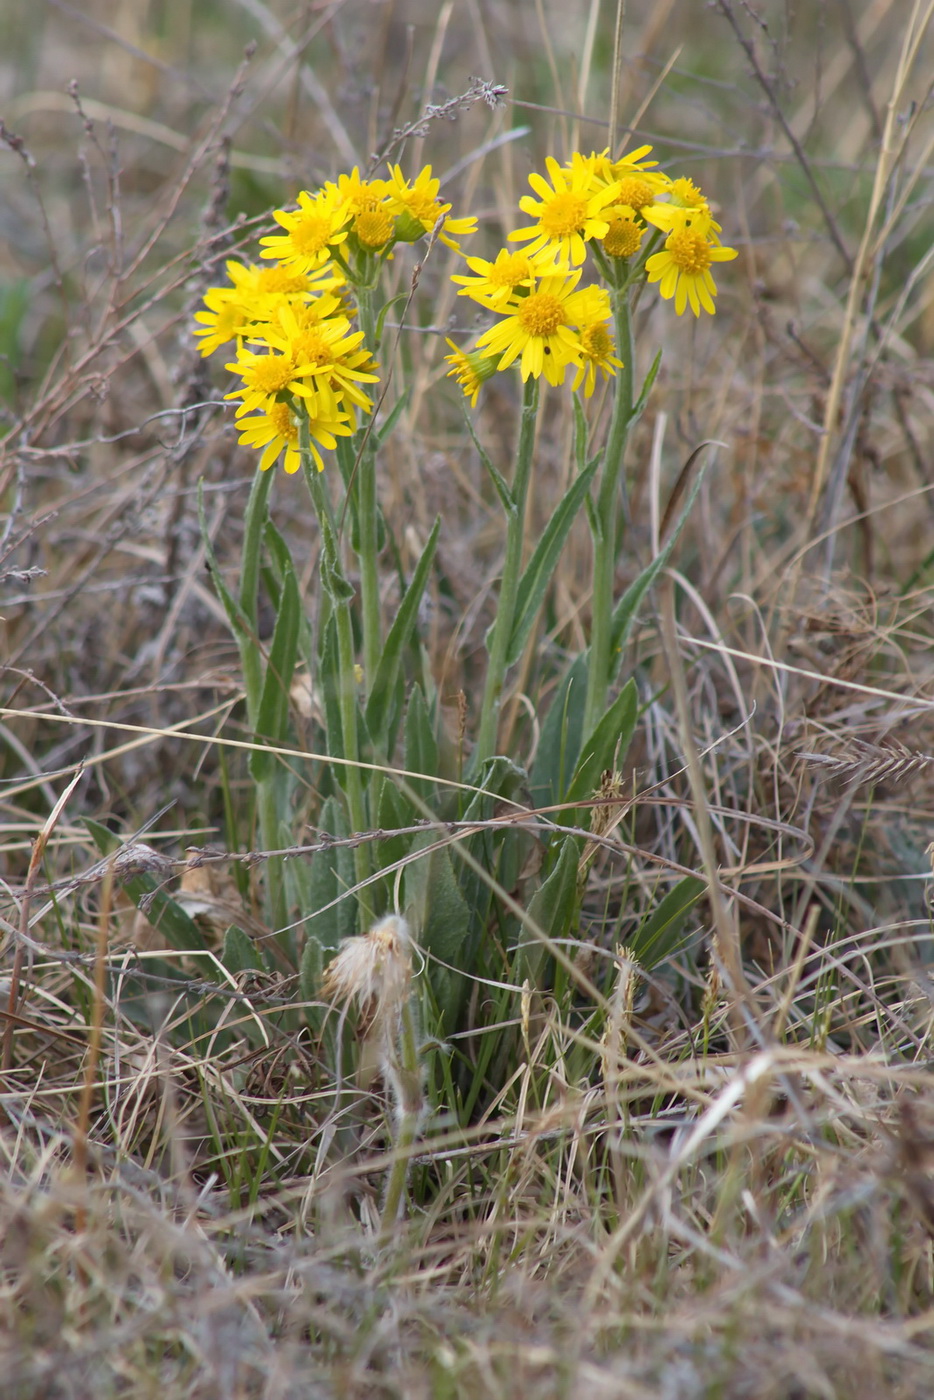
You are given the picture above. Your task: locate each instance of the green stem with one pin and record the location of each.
(341, 595)
(254, 523)
(509, 586)
(612, 483)
(409, 1109)
(365, 487)
(251, 658)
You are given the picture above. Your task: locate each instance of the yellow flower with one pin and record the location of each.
(311, 231)
(471, 369)
(374, 228)
(329, 351)
(495, 282)
(685, 194)
(624, 234)
(231, 309)
(682, 268)
(597, 347)
(221, 321)
(417, 208)
(570, 210)
(265, 376)
(274, 430)
(358, 194)
(540, 327)
(277, 429)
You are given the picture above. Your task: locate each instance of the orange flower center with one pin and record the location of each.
(597, 342)
(373, 227)
(270, 373)
(510, 271)
(635, 192)
(622, 238)
(689, 251)
(311, 235)
(281, 279)
(311, 348)
(564, 214)
(282, 419)
(541, 314)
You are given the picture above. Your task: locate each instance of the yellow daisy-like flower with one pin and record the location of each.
(495, 282)
(686, 195)
(417, 208)
(266, 310)
(682, 268)
(625, 232)
(311, 232)
(231, 309)
(540, 327)
(277, 430)
(221, 322)
(358, 194)
(668, 217)
(374, 228)
(329, 352)
(266, 376)
(471, 369)
(597, 347)
(570, 210)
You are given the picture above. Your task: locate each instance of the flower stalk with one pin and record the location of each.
(606, 517)
(367, 515)
(501, 631)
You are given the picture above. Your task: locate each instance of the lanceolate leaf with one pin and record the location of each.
(541, 566)
(607, 745)
(167, 917)
(273, 714)
(625, 609)
(382, 686)
(502, 489)
(659, 936)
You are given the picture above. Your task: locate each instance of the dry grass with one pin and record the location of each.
(672, 1189)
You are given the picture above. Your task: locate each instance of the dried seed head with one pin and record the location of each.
(375, 970)
(609, 799)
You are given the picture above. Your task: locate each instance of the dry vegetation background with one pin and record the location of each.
(717, 1202)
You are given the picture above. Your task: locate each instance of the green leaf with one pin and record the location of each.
(540, 568)
(581, 436)
(379, 706)
(440, 916)
(167, 917)
(241, 613)
(272, 719)
(553, 906)
(392, 417)
(606, 747)
(625, 610)
(330, 676)
(254, 522)
(332, 875)
(658, 938)
(395, 811)
(499, 778)
(638, 407)
(559, 744)
(421, 746)
(506, 497)
(239, 951)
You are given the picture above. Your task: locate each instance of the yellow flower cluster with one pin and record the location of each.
(606, 207)
(298, 358)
